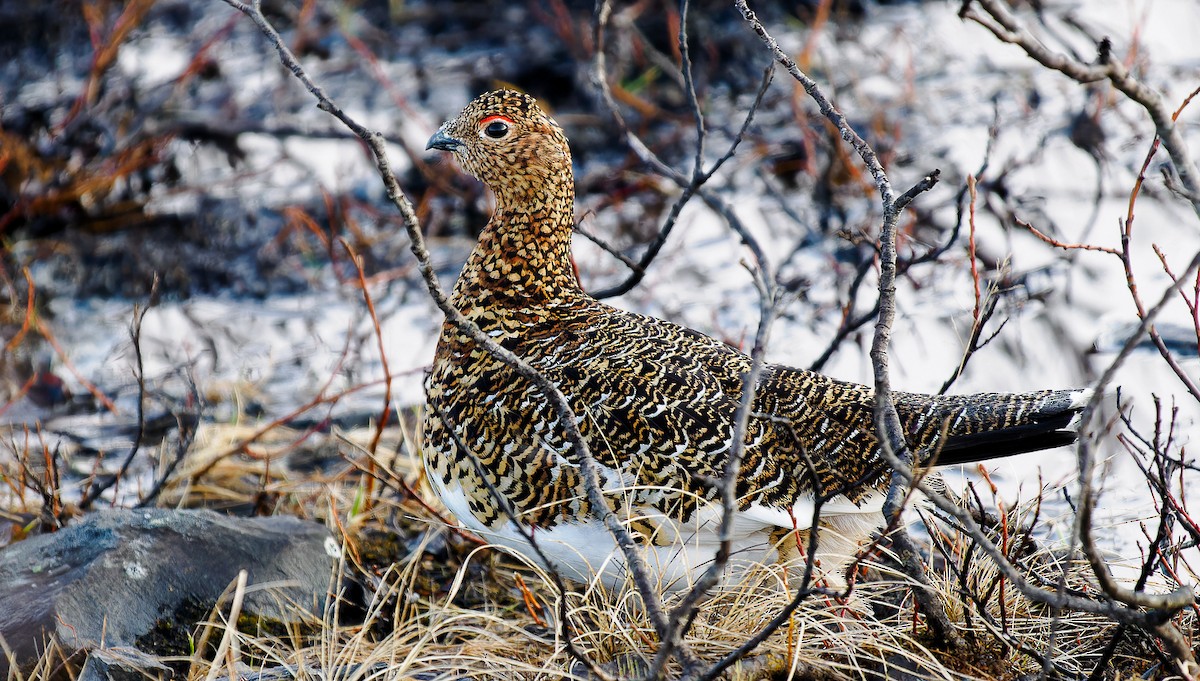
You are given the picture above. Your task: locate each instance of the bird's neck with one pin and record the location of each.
(524, 254)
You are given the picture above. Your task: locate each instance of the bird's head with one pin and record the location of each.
(507, 141)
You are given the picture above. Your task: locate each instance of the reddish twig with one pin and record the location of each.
(971, 182)
(104, 48)
(30, 297)
(62, 355)
(1051, 241)
(356, 259)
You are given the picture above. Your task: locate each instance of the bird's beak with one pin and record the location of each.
(441, 140)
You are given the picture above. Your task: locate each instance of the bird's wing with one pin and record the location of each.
(648, 402)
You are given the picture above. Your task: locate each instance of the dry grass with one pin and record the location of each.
(438, 604)
(432, 635)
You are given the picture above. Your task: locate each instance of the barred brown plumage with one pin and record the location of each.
(655, 401)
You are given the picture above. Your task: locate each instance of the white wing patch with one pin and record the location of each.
(802, 511)
(584, 551)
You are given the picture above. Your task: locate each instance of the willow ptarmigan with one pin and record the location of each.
(655, 401)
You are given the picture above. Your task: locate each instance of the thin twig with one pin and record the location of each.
(1008, 29)
(386, 412)
(588, 464)
(1049, 240)
(692, 185)
(887, 421)
(135, 335)
(186, 423)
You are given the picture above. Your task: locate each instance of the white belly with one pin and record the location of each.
(584, 551)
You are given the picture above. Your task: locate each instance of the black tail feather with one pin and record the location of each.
(991, 426)
(1030, 437)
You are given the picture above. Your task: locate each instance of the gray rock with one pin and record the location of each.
(111, 578)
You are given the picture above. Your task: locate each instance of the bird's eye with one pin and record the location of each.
(495, 127)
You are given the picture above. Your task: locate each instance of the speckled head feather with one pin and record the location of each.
(524, 254)
(655, 401)
(507, 141)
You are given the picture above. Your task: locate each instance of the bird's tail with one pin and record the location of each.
(990, 425)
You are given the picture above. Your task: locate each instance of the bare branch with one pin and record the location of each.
(1008, 29)
(1051, 241)
(1183, 596)
(135, 336)
(1131, 281)
(692, 185)
(827, 109)
(887, 421)
(186, 423)
(588, 465)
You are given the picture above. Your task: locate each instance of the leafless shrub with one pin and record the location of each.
(996, 581)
